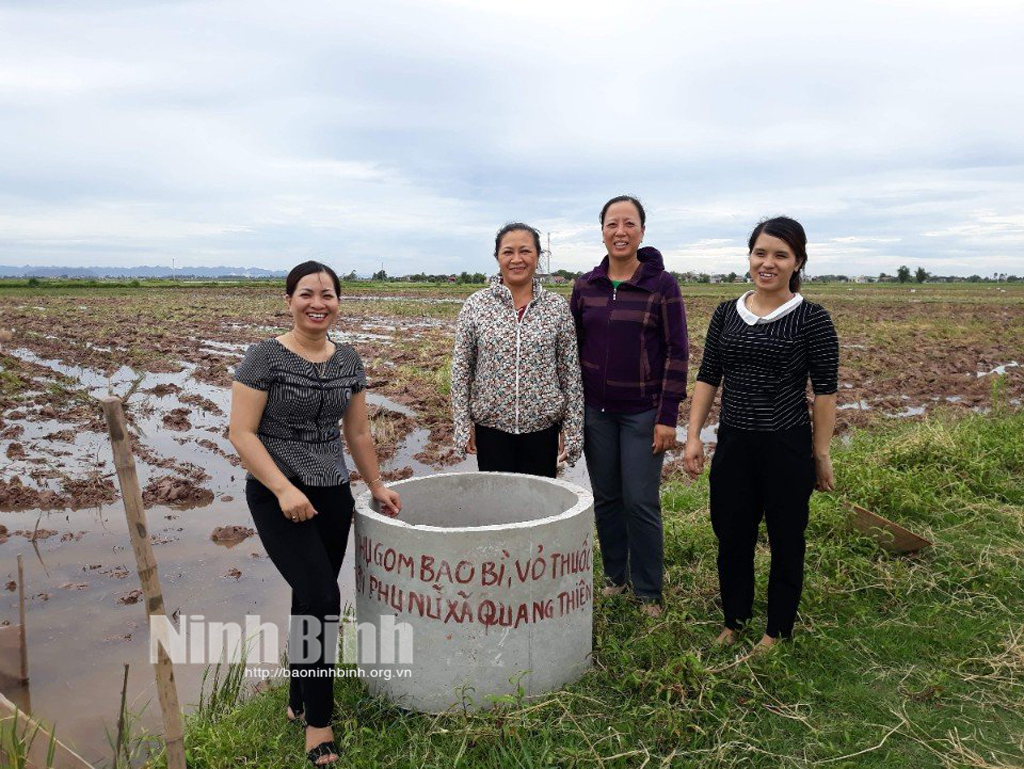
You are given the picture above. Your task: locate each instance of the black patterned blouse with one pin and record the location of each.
(305, 402)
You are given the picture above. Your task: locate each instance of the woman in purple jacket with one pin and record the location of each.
(631, 328)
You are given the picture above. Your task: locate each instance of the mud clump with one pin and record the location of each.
(194, 399)
(64, 436)
(15, 495)
(36, 534)
(231, 535)
(12, 431)
(90, 492)
(389, 429)
(16, 451)
(129, 598)
(169, 490)
(177, 419)
(209, 445)
(161, 390)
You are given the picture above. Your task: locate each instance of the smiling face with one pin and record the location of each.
(622, 230)
(517, 258)
(313, 304)
(772, 263)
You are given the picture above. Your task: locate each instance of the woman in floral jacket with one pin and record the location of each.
(517, 395)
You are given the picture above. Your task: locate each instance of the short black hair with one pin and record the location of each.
(516, 227)
(625, 199)
(300, 271)
(789, 230)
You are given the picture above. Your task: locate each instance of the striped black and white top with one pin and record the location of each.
(299, 426)
(766, 362)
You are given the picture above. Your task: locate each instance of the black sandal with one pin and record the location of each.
(321, 750)
(297, 719)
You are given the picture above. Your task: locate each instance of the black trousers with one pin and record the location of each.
(308, 554)
(529, 453)
(755, 474)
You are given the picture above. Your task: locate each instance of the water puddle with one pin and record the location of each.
(998, 370)
(79, 579)
(861, 405)
(908, 411)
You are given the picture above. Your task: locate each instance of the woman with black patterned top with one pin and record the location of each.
(770, 454)
(289, 394)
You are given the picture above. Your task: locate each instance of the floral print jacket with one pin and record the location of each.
(519, 376)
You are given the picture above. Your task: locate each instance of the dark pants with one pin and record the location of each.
(625, 477)
(755, 474)
(529, 453)
(308, 554)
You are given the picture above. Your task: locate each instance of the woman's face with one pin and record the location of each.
(517, 258)
(622, 230)
(772, 263)
(314, 303)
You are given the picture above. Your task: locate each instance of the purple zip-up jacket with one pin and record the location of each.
(633, 345)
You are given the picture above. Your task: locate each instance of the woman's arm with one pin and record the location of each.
(823, 369)
(700, 406)
(571, 382)
(463, 367)
(709, 377)
(677, 355)
(360, 445)
(247, 406)
(823, 414)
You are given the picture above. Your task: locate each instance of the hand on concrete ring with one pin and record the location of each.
(562, 453)
(664, 438)
(390, 502)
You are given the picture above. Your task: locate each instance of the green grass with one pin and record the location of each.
(897, 662)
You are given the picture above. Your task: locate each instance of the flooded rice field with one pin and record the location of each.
(169, 352)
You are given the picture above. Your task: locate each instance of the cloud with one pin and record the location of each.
(404, 133)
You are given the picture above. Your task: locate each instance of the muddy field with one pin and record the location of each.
(907, 352)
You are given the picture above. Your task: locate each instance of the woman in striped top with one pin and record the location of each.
(770, 452)
(287, 399)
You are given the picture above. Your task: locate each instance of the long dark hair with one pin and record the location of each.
(300, 271)
(792, 232)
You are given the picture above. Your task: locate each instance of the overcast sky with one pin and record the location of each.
(405, 133)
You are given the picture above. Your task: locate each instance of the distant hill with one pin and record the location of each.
(27, 271)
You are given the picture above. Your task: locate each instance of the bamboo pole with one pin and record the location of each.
(131, 494)
(21, 618)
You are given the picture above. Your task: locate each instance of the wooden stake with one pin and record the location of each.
(131, 494)
(120, 724)
(21, 619)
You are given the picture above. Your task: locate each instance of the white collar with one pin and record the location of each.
(779, 312)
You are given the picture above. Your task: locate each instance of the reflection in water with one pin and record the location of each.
(82, 625)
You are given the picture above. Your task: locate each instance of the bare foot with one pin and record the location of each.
(726, 638)
(315, 736)
(651, 609)
(610, 590)
(766, 643)
(290, 714)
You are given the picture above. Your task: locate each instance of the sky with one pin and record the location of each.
(402, 135)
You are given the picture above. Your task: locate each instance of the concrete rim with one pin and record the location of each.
(584, 500)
